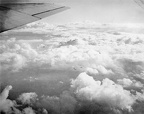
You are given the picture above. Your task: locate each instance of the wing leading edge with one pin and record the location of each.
(13, 15)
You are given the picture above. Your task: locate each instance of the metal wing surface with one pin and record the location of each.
(13, 15)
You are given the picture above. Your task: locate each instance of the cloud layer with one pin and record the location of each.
(108, 58)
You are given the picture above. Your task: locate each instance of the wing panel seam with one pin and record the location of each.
(47, 11)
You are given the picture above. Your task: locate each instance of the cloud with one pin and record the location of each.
(140, 95)
(27, 98)
(12, 61)
(28, 51)
(16, 55)
(125, 82)
(101, 97)
(107, 92)
(103, 70)
(37, 27)
(28, 110)
(129, 83)
(90, 48)
(94, 49)
(91, 71)
(5, 104)
(8, 106)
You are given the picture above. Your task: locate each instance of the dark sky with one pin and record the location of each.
(101, 11)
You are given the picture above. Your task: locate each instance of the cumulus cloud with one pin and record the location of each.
(16, 55)
(103, 70)
(140, 96)
(91, 96)
(129, 83)
(12, 61)
(107, 92)
(28, 110)
(92, 48)
(5, 104)
(88, 47)
(92, 71)
(28, 98)
(28, 51)
(125, 82)
(8, 106)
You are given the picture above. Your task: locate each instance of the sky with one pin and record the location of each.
(100, 11)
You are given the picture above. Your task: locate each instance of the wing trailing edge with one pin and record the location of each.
(13, 15)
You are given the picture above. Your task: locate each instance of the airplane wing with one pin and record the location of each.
(140, 3)
(13, 15)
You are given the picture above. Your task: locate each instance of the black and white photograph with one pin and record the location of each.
(71, 56)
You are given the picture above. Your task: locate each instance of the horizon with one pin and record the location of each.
(110, 11)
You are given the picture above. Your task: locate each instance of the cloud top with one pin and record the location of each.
(105, 92)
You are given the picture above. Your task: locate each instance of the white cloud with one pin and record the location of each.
(103, 70)
(140, 96)
(92, 71)
(28, 51)
(138, 84)
(37, 27)
(125, 82)
(93, 47)
(12, 60)
(16, 55)
(107, 91)
(11, 107)
(28, 110)
(5, 104)
(99, 54)
(28, 98)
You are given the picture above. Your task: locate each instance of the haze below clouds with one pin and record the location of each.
(100, 11)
